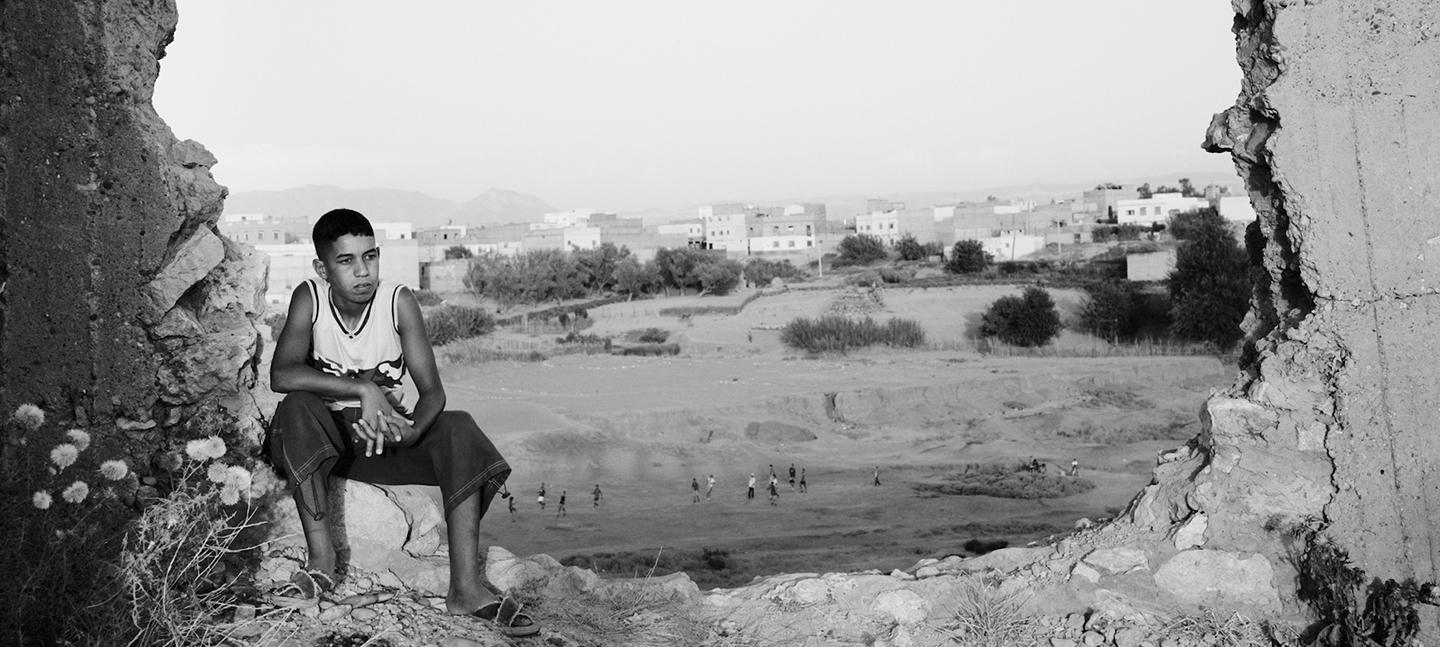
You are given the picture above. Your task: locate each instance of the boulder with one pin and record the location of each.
(1220, 579)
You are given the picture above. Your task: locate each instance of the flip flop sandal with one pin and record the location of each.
(507, 617)
(309, 584)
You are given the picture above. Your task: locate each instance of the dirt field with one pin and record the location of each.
(736, 401)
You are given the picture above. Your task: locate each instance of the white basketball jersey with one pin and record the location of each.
(371, 350)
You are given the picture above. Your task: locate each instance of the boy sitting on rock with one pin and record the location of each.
(349, 344)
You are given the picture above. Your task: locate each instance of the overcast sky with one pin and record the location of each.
(625, 105)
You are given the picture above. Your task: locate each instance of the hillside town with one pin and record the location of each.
(436, 258)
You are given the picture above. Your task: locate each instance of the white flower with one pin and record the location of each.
(63, 455)
(229, 496)
(237, 478)
(80, 438)
(76, 492)
(217, 472)
(263, 480)
(207, 448)
(42, 500)
(114, 470)
(28, 416)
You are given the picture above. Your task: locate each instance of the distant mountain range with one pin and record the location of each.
(499, 206)
(494, 206)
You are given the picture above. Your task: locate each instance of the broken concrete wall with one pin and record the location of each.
(1337, 134)
(121, 302)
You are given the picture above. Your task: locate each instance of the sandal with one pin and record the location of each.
(309, 584)
(507, 617)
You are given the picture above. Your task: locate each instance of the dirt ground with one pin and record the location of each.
(736, 401)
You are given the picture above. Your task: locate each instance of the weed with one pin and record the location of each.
(1234, 630)
(1008, 482)
(988, 615)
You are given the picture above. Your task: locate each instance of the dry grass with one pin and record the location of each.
(1234, 630)
(988, 615)
(172, 570)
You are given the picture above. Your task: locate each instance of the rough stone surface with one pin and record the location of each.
(1117, 560)
(904, 606)
(118, 298)
(1220, 578)
(1191, 533)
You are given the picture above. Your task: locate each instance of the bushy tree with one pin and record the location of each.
(761, 271)
(719, 276)
(861, 249)
(634, 278)
(533, 277)
(458, 251)
(1210, 286)
(1186, 226)
(1113, 310)
(968, 257)
(910, 249)
(597, 266)
(1027, 320)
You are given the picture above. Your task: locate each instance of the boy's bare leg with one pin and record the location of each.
(463, 529)
(319, 546)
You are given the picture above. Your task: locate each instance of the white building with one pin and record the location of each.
(1012, 244)
(1157, 208)
(726, 225)
(785, 232)
(1236, 209)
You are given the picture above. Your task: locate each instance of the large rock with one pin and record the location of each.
(1221, 580)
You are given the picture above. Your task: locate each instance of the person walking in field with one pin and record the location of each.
(511, 505)
(560, 509)
(694, 490)
(1074, 467)
(877, 476)
(792, 477)
(596, 495)
(750, 488)
(540, 496)
(709, 486)
(803, 487)
(774, 492)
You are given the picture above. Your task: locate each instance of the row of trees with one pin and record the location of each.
(546, 275)
(966, 256)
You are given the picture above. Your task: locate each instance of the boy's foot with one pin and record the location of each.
(508, 617)
(309, 584)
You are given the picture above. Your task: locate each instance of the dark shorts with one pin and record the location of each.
(307, 439)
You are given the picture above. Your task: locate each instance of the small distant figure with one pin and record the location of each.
(772, 471)
(510, 504)
(750, 488)
(560, 509)
(709, 486)
(540, 495)
(803, 487)
(596, 495)
(774, 492)
(1074, 467)
(694, 490)
(877, 476)
(792, 477)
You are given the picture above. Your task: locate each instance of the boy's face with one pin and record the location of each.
(351, 265)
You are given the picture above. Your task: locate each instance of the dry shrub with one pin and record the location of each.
(989, 615)
(1008, 482)
(1234, 630)
(172, 566)
(840, 334)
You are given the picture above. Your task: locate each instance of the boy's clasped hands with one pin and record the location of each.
(380, 424)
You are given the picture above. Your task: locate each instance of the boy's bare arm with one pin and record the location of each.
(419, 362)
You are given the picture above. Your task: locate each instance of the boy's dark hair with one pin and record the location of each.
(336, 223)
